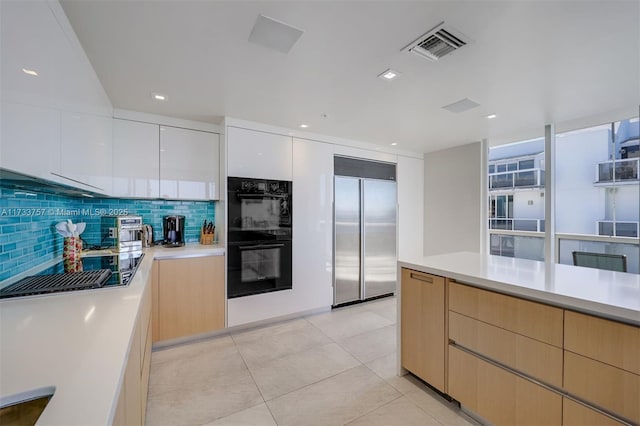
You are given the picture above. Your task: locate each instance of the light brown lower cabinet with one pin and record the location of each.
(498, 395)
(132, 401)
(574, 414)
(611, 388)
(423, 326)
(529, 356)
(190, 296)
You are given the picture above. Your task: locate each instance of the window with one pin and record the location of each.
(597, 205)
(525, 164)
(516, 200)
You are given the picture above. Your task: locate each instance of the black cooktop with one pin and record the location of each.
(98, 272)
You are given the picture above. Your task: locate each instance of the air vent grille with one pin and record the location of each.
(436, 43)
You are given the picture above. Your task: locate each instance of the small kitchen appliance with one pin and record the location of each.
(147, 235)
(121, 233)
(173, 231)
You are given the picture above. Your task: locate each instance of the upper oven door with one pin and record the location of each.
(259, 209)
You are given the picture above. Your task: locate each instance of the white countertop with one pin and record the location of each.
(77, 342)
(614, 295)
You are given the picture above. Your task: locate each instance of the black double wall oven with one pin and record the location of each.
(260, 233)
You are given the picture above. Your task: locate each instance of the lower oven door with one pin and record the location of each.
(258, 267)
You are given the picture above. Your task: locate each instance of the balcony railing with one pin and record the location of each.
(618, 228)
(528, 245)
(517, 179)
(532, 225)
(618, 170)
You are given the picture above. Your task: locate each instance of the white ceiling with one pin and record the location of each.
(530, 62)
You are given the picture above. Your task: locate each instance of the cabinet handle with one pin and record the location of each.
(77, 181)
(421, 278)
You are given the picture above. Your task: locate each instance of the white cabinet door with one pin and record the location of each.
(189, 167)
(313, 221)
(30, 140)
(86, 150)
(410, 179)
(136, 159)
(261, 155)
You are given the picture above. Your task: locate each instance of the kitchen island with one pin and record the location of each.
(78, 342)
(523, 342)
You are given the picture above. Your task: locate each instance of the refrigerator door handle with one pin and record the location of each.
(362, 241)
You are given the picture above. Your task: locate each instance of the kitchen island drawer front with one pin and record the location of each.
(608, 341)
(600, 384)
(423, 326)
(531, 319)
(531, 357)
(574, 414)
(498, 395)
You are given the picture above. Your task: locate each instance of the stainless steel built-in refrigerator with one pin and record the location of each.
(365, 213)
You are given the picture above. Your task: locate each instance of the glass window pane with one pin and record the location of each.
(526, 164)
(492, 168)
(516, 200)
(597, 190)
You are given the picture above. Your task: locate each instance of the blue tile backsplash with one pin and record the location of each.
(27, 223)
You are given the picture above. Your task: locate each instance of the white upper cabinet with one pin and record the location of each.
(55, 115)
(189, 164)
(136, 159)
(86, 145)
(30, 140)
(261, 155)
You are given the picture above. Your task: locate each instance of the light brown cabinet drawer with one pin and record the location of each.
(610, 388)
(574, 414)
(498, 395)
(531, 319)
(529, 356)
(604, 340)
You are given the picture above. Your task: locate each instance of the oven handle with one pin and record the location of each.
(261, 246)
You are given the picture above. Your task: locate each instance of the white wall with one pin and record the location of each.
(521, 207)
(410, 177)
(452, 200)
(578, 204)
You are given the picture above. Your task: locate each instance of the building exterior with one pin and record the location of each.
(597, 189)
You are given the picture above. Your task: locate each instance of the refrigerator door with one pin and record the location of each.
(347, 240)
(379, 242)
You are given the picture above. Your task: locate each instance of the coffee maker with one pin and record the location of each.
(173, 231)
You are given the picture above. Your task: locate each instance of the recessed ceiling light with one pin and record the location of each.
(304, 126)
(159, 96)
(389, 74)
(394, 143)
(490, 116)
(30, 72)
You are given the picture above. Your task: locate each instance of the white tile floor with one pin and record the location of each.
(335, 368)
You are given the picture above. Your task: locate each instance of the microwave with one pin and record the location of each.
(121, 233)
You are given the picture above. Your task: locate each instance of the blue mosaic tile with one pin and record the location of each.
(27, 223)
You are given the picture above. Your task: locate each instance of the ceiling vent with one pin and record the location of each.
(436, 43)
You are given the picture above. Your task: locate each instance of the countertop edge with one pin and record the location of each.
(615, 313)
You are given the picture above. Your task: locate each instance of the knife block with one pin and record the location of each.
(206, 239)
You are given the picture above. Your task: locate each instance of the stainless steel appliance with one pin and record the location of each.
(173, 231)
(121, 233)
(259, 236)
(98, 272)
(365, 211)
(147, 235)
